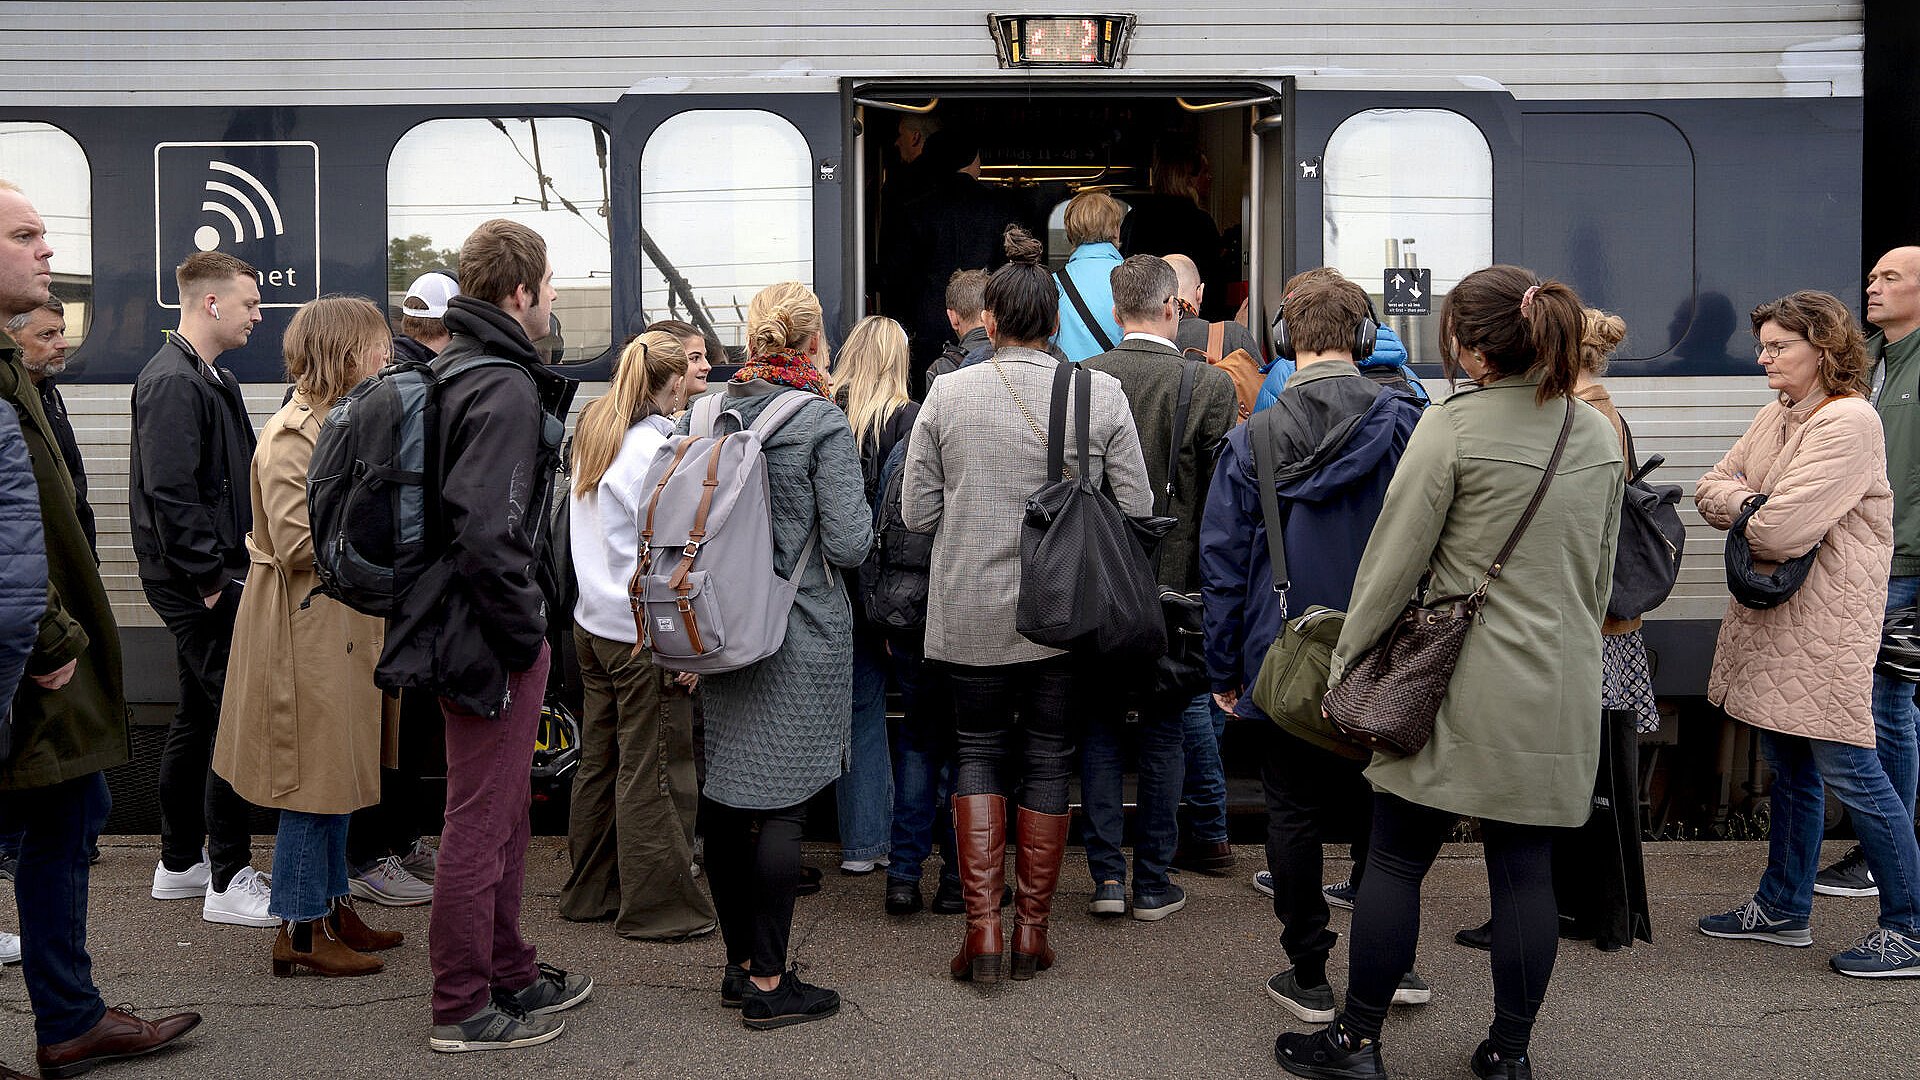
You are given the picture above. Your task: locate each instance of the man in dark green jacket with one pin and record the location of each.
(69, 724)
(1893, 305)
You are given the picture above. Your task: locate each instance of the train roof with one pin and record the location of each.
(582, 51)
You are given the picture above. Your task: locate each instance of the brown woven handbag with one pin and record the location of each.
(1392, 693)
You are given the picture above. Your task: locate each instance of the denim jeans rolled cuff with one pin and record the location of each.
(309, 865)
(1896, 715)
(1803, 770)
(1205, 794)
(864, 793)
(57, 824)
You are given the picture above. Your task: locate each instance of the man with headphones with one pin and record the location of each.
(1382, 357)
(1330, 441)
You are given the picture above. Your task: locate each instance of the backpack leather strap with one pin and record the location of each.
(1216, 342)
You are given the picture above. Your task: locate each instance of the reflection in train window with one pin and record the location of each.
(726, 209)
(548, 173)
(1409, 188)
(52, 169)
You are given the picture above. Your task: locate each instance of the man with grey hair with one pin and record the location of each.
(1177, 439)
(40, 336)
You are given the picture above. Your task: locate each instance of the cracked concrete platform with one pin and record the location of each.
(1182, 997)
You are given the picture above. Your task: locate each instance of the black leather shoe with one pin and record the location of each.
(947, 900)
(1478, 937)
(903, 897)
(733, 986)
(1487, 1064)
(1319, 1055)
(809, 881)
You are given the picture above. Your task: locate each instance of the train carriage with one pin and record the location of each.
(1676, 163)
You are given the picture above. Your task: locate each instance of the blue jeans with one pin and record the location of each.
(1157, 814)
(57, 824)
(922, 771)
(1800, 766)
(309, 865)
(865, 790)
(1895, 714)
(1206, 785)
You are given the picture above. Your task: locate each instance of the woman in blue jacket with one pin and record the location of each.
(1093, 228)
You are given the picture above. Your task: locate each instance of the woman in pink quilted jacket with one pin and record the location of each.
(1802, 671)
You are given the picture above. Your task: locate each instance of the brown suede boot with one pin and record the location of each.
(357, 935)
(1042, 842)
(980, 827)
(324, 952)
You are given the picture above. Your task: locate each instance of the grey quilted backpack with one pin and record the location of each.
(705, 595)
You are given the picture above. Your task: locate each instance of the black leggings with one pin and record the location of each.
(753, 866)
(1386, 917)
(986, 701)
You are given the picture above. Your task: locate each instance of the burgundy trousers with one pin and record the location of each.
(473, 938)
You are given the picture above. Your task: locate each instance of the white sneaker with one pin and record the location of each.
(185, 885)
(9, 948)
(243, 904)
(858, 867)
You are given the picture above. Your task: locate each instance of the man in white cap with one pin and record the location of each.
(423, 334)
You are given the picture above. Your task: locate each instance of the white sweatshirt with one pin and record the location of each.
(605, 537)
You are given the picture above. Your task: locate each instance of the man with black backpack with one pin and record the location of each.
(1181, 408)
(1330, 444)
(472, 629)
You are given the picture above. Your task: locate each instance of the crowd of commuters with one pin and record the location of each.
(1346, 489)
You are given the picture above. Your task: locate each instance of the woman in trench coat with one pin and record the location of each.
(301, 722)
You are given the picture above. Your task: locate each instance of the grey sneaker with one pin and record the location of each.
(497, 1026)
(1413, 990)
(421, 861)
(553, 991)
(387, 883)
(1313, 1004)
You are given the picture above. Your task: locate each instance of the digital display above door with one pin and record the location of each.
(1061, 40)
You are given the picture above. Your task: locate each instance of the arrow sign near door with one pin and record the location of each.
(1408, 290)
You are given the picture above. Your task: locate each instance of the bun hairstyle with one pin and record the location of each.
(647, 366)
(1602, 333)
(1021, 295)
(1519, 323)
(782, 318)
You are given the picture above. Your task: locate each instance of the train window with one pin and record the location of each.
(52, 169)
(726, 209)
(546, 172)
(1409, 188)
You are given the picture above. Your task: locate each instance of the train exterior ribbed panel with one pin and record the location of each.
(353, 52)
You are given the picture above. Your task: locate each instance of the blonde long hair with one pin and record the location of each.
(872, 374)
(648, 365)
(326, 343)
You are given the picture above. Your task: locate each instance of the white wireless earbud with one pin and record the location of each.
(215, 308)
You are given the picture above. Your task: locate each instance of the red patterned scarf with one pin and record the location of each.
(796, 370)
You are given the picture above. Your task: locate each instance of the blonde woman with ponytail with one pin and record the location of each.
(778, 730)
(1516, 742)
(630, 840)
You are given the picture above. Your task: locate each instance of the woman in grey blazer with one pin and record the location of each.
(978, 451)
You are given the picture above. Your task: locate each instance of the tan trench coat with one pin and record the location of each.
(1806, 667)
(302, 727)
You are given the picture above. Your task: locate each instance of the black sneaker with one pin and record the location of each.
(792, 1002)
(809, 881)
(1325, 1055)
(1340, 894)
(1413, 990)
(1487, 1064)
(497, 1026)
(733, 987)
(1314, 1004)
(903, 896)
(553, 991)
(947, 899)
(1476, 937)
(1848, 877)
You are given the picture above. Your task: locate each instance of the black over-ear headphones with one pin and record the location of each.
(1363, 333)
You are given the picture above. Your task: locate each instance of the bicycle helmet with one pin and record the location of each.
(1900, 646)
(556, 745)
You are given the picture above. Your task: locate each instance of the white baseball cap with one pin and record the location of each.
(432, 289)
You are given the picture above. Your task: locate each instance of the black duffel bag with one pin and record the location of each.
(1086, 569)
(1646, 560)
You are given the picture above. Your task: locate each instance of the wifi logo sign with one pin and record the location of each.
(256, 201)
(207, 237)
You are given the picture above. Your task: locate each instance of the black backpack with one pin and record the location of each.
(372, 496)
(1646, 560)
(893, 580)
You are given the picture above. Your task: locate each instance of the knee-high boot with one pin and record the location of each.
(1042, 842)
(980, 826)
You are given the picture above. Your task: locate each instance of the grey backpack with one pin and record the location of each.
(705, 595)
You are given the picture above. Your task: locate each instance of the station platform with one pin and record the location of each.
(1184, 997)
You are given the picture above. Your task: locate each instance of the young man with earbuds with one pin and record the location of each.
(189, 511)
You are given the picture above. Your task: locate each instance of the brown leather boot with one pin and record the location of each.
(325, 954)
(1042, 841)
(357, 935)
(980, 827)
